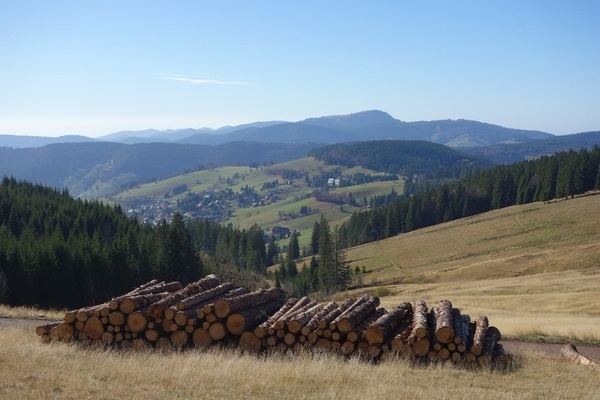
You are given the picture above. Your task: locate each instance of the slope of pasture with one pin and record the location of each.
(532, 269)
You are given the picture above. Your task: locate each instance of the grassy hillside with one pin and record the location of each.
(532, 269)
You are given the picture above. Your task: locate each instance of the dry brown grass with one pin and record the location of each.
(30, 313)
(532, 268)
(30, 369)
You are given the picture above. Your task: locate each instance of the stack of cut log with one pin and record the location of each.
(165, 314)
(206, 312)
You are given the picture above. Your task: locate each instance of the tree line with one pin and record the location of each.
(561, 175)
(58, 252)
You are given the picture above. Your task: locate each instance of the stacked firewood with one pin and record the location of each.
(165, 314)
(207, 312)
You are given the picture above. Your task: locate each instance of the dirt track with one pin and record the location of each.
(513, 347)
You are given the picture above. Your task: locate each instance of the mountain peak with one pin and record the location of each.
(355, 120)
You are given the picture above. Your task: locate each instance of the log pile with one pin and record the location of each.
(207, 312)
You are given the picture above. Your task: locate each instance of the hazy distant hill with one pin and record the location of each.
(39, 141)
(509, 153)
(375, 125)
(110, 166)
(360, 126)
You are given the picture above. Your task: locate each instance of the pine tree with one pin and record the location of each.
(314, 239)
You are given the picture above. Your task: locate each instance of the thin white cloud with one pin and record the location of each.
(181, 78)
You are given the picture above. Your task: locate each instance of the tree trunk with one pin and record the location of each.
(481, 326)
(385, 326)
(250, 318)
(224, 307)
(116, 318)
(444, 323)
(355, 315)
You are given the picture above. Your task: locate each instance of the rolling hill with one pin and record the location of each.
(535, 268)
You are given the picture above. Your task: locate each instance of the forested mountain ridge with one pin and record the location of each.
(397, 157)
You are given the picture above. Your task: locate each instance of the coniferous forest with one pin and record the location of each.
(562, 175)
(59, 252)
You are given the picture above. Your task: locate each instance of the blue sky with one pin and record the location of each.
(92, 68)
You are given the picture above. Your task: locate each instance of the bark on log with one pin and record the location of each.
(457, 326)
(45, 329)
(205, 295)
(300, 304)
(283, 322)
(357, 332)
(132, 303)
(158, 287)
(492, 337)
(262, 329)
(420, 320)
(573, 354)
(464, 333)
(224, 307)
(385, 326)
(481, 326)
(313, 323)
(350, 308)
(329, 318)
(444, 332)
(156, 310)
(301, 319)
(250, 318)
(354, 316)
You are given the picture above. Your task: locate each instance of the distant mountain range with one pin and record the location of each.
(96, 167)
(361, 126)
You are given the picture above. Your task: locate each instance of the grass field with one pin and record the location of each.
(531, 269)
(30, 369)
